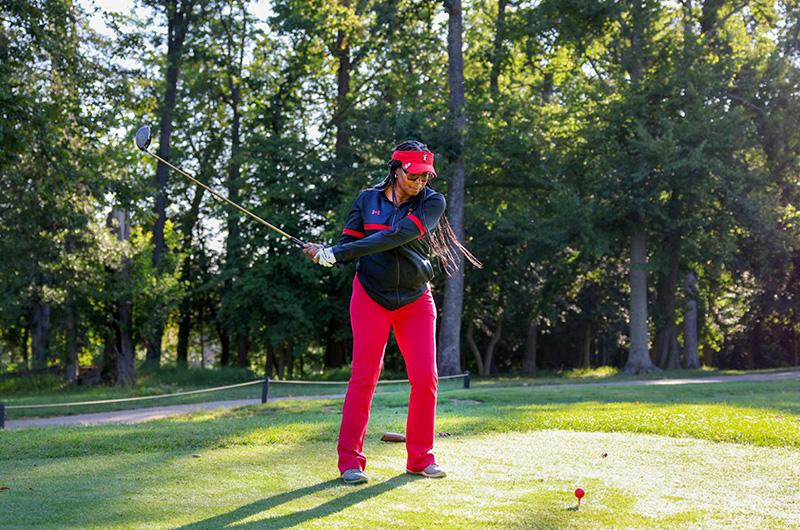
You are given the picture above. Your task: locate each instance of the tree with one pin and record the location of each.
(449, 341)
(52, 176)
(179, 14)
(122, 306)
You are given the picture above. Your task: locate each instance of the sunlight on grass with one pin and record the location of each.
(647, 456)
(595, 373)
(496, 480)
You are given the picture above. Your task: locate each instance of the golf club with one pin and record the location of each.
(142, 139)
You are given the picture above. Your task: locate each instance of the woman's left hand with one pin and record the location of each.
(311, 250)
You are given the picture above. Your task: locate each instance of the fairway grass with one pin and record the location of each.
(162, 382)
(500, 480)
(723, 455)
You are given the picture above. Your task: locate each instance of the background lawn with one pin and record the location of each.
(51, 388)
(710, 455)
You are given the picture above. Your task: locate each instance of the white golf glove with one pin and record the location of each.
(325, 257)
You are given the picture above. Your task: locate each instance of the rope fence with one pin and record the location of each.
(265, 384)
(124, 400)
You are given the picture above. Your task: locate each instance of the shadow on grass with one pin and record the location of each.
(295, 518)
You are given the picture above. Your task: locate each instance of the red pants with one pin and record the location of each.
(414, 328)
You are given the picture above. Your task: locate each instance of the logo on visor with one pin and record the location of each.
(407, 165)
(425, 157)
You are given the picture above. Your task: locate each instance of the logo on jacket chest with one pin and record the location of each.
(376, 212)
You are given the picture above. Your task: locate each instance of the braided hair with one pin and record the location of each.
(442, 242)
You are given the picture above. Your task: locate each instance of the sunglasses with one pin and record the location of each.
(415, 177)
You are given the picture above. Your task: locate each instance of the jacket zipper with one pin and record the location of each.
(397, 284)
(396, 259)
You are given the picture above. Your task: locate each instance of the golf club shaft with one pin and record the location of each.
(222, 197)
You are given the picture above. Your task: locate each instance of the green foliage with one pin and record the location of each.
(155, 296)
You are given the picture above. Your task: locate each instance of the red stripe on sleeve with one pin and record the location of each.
(354, 233)
(377, 227)
(419, 225)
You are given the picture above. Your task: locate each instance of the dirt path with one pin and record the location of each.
(145, 414)
(154, 413)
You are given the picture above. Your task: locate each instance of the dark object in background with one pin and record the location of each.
(90, 375)
(393, 437)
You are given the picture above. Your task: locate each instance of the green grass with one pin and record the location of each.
(611, 374)
(705, 455)
(148, 379)
(50, 389)
(253, 392)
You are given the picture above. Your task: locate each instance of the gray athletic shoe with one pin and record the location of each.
(432, 471)
(354, 476)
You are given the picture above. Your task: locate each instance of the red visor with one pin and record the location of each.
(415, 162)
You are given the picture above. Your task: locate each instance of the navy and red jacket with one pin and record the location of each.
(393, 264)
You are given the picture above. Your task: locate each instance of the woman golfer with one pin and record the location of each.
(392, 229)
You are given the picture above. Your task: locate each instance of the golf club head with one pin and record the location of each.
(143, 138)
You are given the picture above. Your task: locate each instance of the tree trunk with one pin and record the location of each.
(270, 360)
(281, 350)
(709, 16)
(474, 347)
(639, 356)
(340, 117)
(242, 350)
(669, 357)
(665, 310)
(604, 354)
(185, 320)
(71, 371)
(548, 87)
(529, 360)
(125, 368)
(485, 361)
(24, 348)
(497, 54)
(755, 346)
(177, 26)
(108, 369)
(691, 359)
(204, 350)
(335, 349)
(40, 333)
(449, 355)
(289, 352)
(664, 338)
(184, 330)
(225, 346)
(674, 358)
(496, 334)
(234, 243)
(300, 364)
(586, 346)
